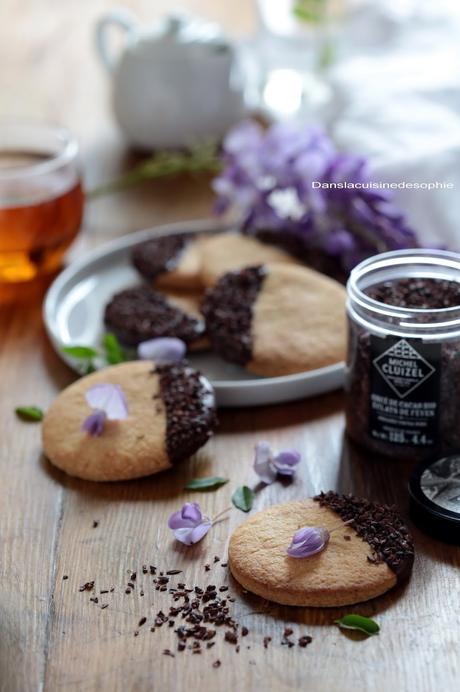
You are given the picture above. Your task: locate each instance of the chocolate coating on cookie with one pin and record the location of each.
(379, 525)
(139, 314)
(190, 409)
(227, 308)
(159, 255)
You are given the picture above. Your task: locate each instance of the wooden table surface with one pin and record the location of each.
(53, 637)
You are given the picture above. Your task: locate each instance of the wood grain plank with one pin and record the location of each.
(31, 504)
(52, 635)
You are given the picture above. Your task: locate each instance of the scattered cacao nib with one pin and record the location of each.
(231, 637)
(104, 605)
(216, 664)
(347, 537)
(174, 571)
(227, 308)
(379, 525)
(87, 586)
(65, 576)
(142, 621)
(167, 652)
(304, 641)
(267, 641)
(216, 559)
(244, 631)
(95, 524)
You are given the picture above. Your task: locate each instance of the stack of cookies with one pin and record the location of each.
(252, 302)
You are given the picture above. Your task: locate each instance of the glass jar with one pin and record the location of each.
(403, 366)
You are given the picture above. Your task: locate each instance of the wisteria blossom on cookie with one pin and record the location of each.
(308, 541)
(162, 350)
(268, 465)
(189, 525)
(108, 402)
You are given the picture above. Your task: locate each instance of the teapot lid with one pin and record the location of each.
(182, 28)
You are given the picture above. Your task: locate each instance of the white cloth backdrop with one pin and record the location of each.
(397, 100)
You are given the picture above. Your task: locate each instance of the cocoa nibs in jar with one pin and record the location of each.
(403, 365)
(422, 293)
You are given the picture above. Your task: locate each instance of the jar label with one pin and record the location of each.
(404, 391)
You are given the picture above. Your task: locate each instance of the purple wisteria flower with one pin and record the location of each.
(108, 402)
(189, 525)
(276, 178)
(308, 541)
(162, 350)
(268, 465)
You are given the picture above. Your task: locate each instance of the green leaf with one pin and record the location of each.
(243, 498)
(29, 413)
(206, 483)
(80, 352)
(114, 353)
(358, 622)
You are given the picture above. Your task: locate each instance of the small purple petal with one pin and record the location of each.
(108, 398)
(200, 531)
(263, 465)
(162, 350)
(188, 517)
(94, 423)
(191, 511)
(188, 524)
(285, 462)
(308, 541)
(189, 536)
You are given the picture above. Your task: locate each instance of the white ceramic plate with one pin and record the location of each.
(74, 307)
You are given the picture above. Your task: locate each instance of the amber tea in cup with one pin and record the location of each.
(41, 199)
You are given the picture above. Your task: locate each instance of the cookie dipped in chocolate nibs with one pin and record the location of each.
(170, 414)
(277, 319)
(140, 314)
(171, 261)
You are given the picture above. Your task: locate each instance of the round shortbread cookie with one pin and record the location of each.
(140, 313)
(349, 570)
(170, 262)
(225, 252)
(277, 319)
(151, 439)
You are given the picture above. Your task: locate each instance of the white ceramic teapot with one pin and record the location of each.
(175, 83)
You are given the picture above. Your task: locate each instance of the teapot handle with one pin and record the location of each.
(123, 19)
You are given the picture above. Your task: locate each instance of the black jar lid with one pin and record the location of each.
(434, 490)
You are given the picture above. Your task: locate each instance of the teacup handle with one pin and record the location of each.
(123, 19)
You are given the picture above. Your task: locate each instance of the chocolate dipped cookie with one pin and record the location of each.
(139, 314)
(171, 261)
(367, 551)
(277, 319)
(170, 415)
(231, 251)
